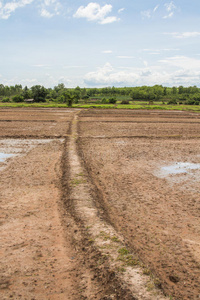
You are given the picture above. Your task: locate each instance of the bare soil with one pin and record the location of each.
(158, 215)
(84, 184)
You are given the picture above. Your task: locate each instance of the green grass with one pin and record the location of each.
(136, 105)
(39, 105)
(127, 258)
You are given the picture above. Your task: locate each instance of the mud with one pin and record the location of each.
(159, 217)
(82, 186)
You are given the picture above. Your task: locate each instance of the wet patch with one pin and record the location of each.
(13, 148)
(4, 156)
(179, 168)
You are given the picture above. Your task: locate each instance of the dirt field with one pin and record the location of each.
(82, 187)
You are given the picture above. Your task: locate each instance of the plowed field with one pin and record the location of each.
(99, 204)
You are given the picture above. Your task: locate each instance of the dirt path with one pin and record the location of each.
(128, 280)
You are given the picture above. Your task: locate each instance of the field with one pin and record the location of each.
(99, 204)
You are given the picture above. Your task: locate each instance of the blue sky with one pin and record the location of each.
(99, 43)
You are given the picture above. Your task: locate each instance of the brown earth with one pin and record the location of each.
(46, 247)
(158, 215)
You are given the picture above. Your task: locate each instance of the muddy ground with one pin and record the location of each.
(47, 246)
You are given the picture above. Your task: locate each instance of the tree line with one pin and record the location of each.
(60, 94)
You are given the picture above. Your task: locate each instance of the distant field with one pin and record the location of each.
(136, 105)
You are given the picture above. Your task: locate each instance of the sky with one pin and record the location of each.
(101, 43)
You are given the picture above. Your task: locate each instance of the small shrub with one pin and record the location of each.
(112, 100)
(5, 99)
(17, 98)
(172, 101)
(125, 102)
(104, 101)
(190, 102)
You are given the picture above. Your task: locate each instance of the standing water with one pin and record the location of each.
(4, 156)
(179, 167)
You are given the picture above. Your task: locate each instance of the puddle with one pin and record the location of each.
(4, 156)
(17, 147)
(179, 168)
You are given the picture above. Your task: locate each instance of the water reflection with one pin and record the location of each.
(179, 167)
(4, 156)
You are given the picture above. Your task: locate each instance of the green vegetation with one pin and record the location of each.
(127, 258)
(145, 97)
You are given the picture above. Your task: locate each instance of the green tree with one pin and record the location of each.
(68, 98)
(39, 93)
(26, 93)
(17, 98)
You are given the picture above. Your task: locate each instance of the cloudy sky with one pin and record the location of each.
(100, 43)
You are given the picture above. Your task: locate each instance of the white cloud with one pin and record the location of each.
(73, 67)
(125, 57)
(50, 8)
(184, 35)
(146, 14)
(176, 70)
(47, 8)
(170, 6)
(45, 13)
(7, 9)
(40, 66)
(158, 51)
(154, 53)
(183, 62)
(121, 10)
(170, 9)
(150, 12)
(156, 8)
(27, 81)
(107, 51)
(108, 76)
(94, 12)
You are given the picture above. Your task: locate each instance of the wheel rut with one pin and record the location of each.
(110, 270)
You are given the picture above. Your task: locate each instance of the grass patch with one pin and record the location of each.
(127, 258)
(123, 251)
(115, 239)
(146, 272)
(133, 105)
(104, 235)
(76, 181)
(121, 269)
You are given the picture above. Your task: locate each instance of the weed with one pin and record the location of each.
(91, 241)
(146, 272)
(76, 181)
(102, 260)
(88, 227)
(123, 251)
(127, 258)
(121, 269)
(108, 246)
(80, 174)
(150, 286)
(105, 235)
(115, 239)
(157, 283)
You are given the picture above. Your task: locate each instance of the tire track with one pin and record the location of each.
(116, 272)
